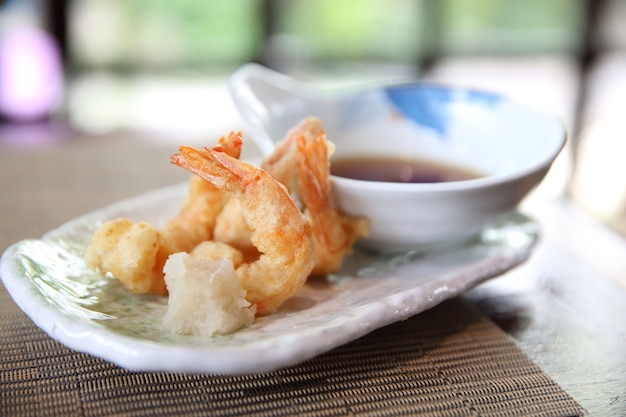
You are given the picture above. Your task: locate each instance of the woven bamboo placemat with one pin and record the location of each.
(448, 361)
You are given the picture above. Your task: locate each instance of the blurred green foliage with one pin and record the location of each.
(189, 33)
(354, 29)
(511, 26)
(226, 30)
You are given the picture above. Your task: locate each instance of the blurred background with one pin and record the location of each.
(91, 68)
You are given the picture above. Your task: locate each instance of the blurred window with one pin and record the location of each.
(401, 30)
(140, 34)
(131, 52)
(148, 34)
(511, 26)
(362, 30)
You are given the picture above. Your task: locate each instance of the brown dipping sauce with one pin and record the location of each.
(389, 169)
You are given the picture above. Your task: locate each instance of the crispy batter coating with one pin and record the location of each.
(279, 230)
(135, 253)
(333, 231)
(231, 228)
(282, 164)
(213, 250)
(302, 163)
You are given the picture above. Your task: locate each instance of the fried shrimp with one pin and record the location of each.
(198, 215)
(334, 232)
(301, 162)
(277, 225)
(282, 163)
(135, 253)
(278, 229)
(231, 228)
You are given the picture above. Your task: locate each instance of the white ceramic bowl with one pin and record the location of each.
(511, 144)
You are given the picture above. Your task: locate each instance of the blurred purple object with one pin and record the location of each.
(31, 77)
